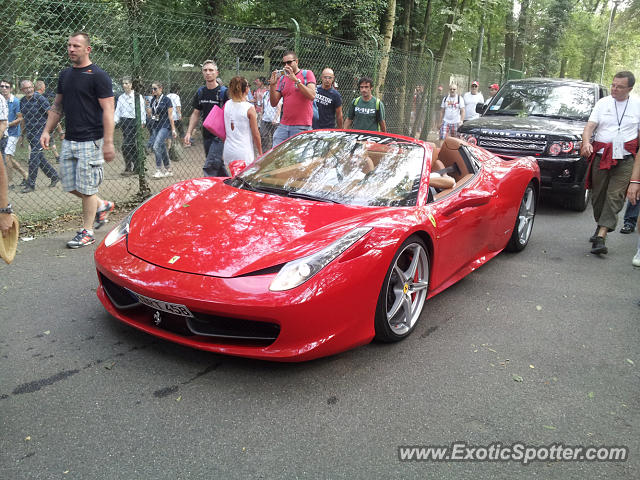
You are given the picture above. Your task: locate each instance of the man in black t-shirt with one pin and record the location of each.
(205, 98)
(85, 97)
(329, 102)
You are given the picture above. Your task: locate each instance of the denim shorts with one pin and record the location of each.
(81, 166)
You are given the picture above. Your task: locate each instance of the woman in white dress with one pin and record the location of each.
(241, 125)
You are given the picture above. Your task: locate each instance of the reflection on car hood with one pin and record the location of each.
(214, 229)
(533, 124)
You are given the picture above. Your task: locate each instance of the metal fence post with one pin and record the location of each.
(143, 187)
(297, 37)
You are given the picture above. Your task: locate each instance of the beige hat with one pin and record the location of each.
(9, 244)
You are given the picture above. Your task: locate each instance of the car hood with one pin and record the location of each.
(206, 227)
(532, 124)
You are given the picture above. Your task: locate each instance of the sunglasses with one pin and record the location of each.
(287, 62)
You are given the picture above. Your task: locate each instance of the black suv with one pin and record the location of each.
(543, 118)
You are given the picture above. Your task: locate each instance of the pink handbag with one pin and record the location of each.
(215, 122)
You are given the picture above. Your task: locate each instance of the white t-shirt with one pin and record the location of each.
(470, 102)
(609, 113)
(269, 112)
(175, 102)
(452, 106)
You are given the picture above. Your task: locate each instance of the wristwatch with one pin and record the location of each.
(7, 209)
(298, 81)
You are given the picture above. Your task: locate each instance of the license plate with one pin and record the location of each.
(174, 308)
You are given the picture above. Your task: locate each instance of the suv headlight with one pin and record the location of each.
(470, 139)
(564, 148)
(299, 271)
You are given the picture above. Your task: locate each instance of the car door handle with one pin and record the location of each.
(474, 198)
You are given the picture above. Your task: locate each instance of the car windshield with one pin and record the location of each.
(569, 101)
(340, 167)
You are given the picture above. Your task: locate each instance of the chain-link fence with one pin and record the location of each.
(162, 46)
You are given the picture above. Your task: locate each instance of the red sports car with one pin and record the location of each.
(330, 240)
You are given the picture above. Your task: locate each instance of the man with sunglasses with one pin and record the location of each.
(297, 88)
(451, 114)
(9, 142)
(471, 99)
(615, 120)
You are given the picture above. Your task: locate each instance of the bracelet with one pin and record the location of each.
(634, 181)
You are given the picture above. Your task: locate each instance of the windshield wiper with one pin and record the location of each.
(562, 117)
(282, 191)
(243, 184)
(316, 198)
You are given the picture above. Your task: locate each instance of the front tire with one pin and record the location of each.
(404, 292)
(524, 221)
(580, 200)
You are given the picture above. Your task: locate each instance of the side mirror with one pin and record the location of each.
(236, 167)
(480, 107)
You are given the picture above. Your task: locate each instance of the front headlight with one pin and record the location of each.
(469, 138)
(122, 230)
(299, 271)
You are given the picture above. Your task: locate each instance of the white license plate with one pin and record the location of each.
(174, 308)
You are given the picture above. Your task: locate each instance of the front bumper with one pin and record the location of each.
(562, 175)
(240, 316)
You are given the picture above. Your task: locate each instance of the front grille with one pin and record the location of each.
(217, 328)
(225, 327)
(512, 144)
(120, 297)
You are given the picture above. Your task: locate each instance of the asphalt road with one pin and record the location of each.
(85, 397)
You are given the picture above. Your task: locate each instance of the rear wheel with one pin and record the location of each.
(524, 221)
(404, 292)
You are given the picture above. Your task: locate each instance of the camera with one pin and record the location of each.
(280, 71)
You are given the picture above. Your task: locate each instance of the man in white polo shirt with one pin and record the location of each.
(615, 120)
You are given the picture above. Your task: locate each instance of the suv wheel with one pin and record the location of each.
(580, 199)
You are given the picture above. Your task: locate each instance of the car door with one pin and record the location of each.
(463, 222)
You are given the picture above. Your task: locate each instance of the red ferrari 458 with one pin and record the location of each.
(331, 239)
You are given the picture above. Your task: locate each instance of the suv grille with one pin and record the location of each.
(491, 142)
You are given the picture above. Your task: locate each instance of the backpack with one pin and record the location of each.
(355, 102)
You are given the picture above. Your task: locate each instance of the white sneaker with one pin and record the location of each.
(636, 260)
(168, 173)
(158, 174)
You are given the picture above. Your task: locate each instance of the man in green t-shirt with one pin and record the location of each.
(366, 112)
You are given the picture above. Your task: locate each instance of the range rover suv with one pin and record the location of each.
(543, 118)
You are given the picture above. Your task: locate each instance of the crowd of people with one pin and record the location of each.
(289, 102)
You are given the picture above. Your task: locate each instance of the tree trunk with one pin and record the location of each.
(509, 35)
(563, 67)
(213, 8)
(406, 44)
(521, 37)
(389, 24)
(447, 35)
(425, 29)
